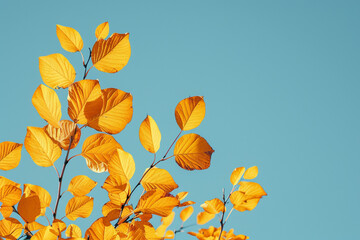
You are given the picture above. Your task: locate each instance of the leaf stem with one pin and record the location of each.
(56, 171)
(86, 65)
(172, 144)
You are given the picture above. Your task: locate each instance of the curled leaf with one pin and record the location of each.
(213, 206)
(204, 217)
(73, 231)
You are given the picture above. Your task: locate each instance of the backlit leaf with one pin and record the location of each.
(102, 229)
(10, 155)
(79, 207)
(186, 213)
(33, 226)
(10, 228)
(113, 54)
(69, 38)
(29, 208)
(59, 226)
(82, 100)
(44, 196)
(236, 175)
(193, 152)
(158, 178)
(190, 112)
(187, 203)
(73, 231)
(56, 71)
(251, 173)
(116, 111)
(81, 185)
(112, 211)
(213, 206)
(47, 233)
(150, 135)
(116, 183)
(6, 211)
(64, 133)
(98, 149)
(243, 202)
(10, 195)
(102, 31)
(47, 104)
(42, 149)
(204, 217)
(167, 221)
(119, 198)
(122, 163)
(181, 195)
(4, 181)
(252, 189)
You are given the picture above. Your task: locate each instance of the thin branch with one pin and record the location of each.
(47, 220)
(172, 144)
(228, 215)
(74, 156)
(86, 65)
(56, 171)
(82, 56)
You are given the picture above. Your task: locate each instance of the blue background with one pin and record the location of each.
(281, 85)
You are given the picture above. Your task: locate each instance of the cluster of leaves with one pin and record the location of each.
(108, 111)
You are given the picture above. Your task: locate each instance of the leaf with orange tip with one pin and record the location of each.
(204, 217)
(98, 149)
(6, 211)
(122, 163)
(64, 133)
(47, 104)
(193, 152)
(213, 206)
(10, 228)
(56, 71)
(150, 135)
(4, 181)
(79, 207)
(242, 202)
(186, 213)
(101, 229)
(73, 231)
(181, 195)
(187, 203)
(115, 113)
(81, 185)
(158, 178)
(42, 149)
(116, 183)
(251, 173)
(190, 112)
(44, 196)
(10, 195)
(111, 211)
(113, 54)
(29, 208)
(102, 31)
(59, 226)
(169, 234)
(46, 233)
(69, 38)
(10, 155)
(236, 175)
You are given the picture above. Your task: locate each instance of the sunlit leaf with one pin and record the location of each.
(150, 135)
(10, 195)
(79, 207)
(81, 185)
(158, 178)
(187, 203)
(44, 196)
(101, 229)
(193, 152)
(113, 54)
(56, 71)
(29, 208)
(102, 31)
(119, 198)
(122, 163)
(116, 183)
(252, 189)
(190, 112)
(33, 226)
(242, 202)
(47, 104)
(236, 175)
(213, 206)
(141, 230)
(181, 195)
(4, 181)
(42, 149)
(167, 221)
(47, 233)
(169, 234)
(204, 217)
(82, 100)
(98, 149)
(116, 111)
(186, 213)
(6, 211)
(112, 211)
(251, 173)
(10, 228)
(64, 133)
(73, 231)
(59, 226)
(69, 38)
(10, 155)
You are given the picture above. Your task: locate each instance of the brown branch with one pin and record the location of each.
(86, 65)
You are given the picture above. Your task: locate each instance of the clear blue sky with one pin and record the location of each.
(281, 82)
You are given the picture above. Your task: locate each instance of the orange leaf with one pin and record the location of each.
(102, 31)
(10, 228)
(81, 185)
(63, 134)
(116, 184)
(150, 135)
(193, 152)
(101, 229)
(44, 196)
(181, 195)
(69, 38)
(122, 163)
(59, 226)
(190, 112)
(213, 206)
(10, 195)
(29, 208)
(251, 173)
(186, 213)
(10, 155)
(243, 202)
(79, 207)
(4, 181)
(111, 55)
(158, 178)
(167, 221)
(252, 189)
(6, 211)
(204, 217)
(236, 175)
(46, 233)
(73, 231)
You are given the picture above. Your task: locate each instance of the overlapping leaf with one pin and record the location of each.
(122, 163)
(73, 231)
(6, 211)
(4, 181)
(79, 207)
(190, 112)
(42, 149)
(81, 185)
(213, 206)
(102, 31)
(204, 217)
(44, 196)
(10, 228)
(243, 202)
(47, 233)
(29, 208)
(10, 155)
(116, 184)
(56, 71)
(150, 135)
(64, 133)
(158, 178)
(69, 38)
(101, 229)
(10, 195)
(59, 226)
(113, 54)
(192, 152)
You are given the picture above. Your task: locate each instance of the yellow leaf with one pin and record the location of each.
(122, 163)
(59, 226)
(181, 195)
(167, 221)
(251, 173)
(69, 38)
(111, 55)
(169, 235)
(116, 184)
(156, 202)
(150, 135)
(193, 152)
(10, 228)
(204, 217)
(118, 198)
(79, 207)
(142, 231)
(29, 208)
(116, 111)
(236, 175)
(44, 196)
(6, 211)
(33, 226)
(102, 31)
(101, 229)
(56, 71)
(73, 231)
(4, 181)
(42, 149)
(46, 233)
(10, 155)
(81, 99)
(63, 134)
(81, 185)
(98, 149)
(158, 178)
(186, 213)
(111, 211)
(187, 203)
(10, 195)
(252, 189)
(243, 202)
(213, 206)
(190, 112)
(47, 104)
